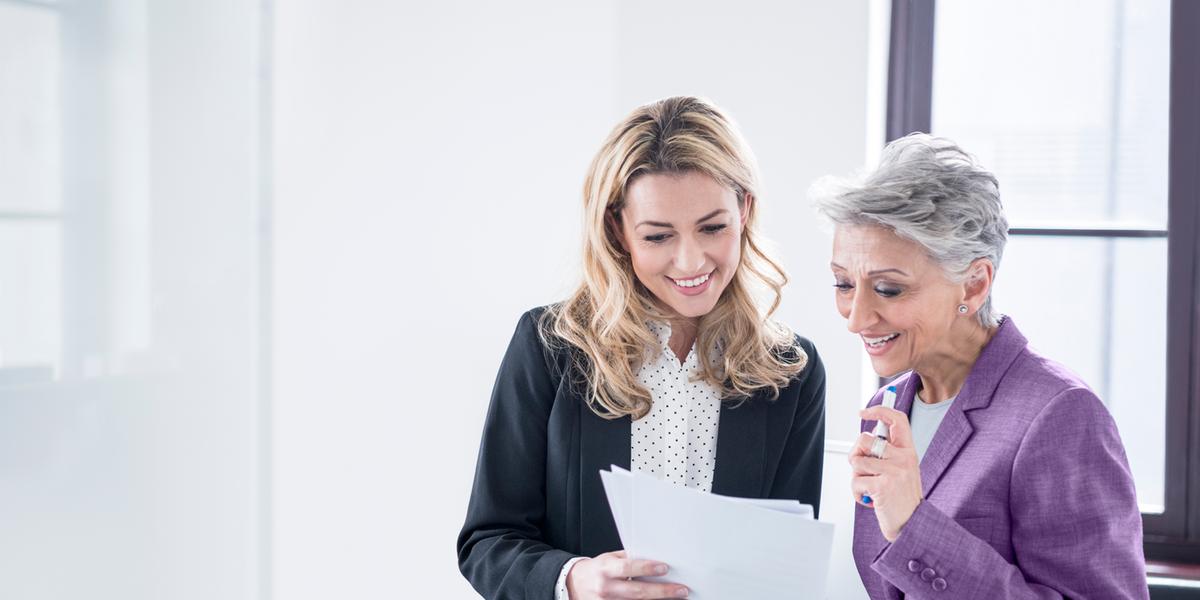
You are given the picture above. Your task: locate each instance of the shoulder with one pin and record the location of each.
(1033, 382)
(798, 349)
(528, 334)
(803, 350)
(789, 346)
(1048, 408)
(1073, 437)
(802, 346)
(533, 341)
(536, 325)
(530, 321)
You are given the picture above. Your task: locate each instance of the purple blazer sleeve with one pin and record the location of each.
(1075, 521)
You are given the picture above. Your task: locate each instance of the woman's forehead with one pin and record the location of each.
(870, 248)
(679, 194)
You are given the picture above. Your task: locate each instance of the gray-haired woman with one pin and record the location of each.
(1003, 475)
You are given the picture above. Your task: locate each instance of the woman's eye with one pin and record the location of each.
(713, 228)
(887, 292)
(843, 286)
(657, 238)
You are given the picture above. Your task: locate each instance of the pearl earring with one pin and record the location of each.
(962, 309)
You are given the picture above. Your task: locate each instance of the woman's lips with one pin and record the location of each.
(694, 290)
(882, 347)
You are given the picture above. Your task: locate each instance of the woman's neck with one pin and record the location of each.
(683, 336)
(945, 370)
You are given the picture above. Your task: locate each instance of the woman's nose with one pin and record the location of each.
(862, 313)
(689, 257)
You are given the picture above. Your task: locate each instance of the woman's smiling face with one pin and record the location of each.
(683, 234)
(893, 296)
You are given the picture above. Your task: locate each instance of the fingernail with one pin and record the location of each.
(681, 592)
(661, 569)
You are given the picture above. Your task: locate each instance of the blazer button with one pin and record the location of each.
(939, 585)
(928, 574)
(914, 566)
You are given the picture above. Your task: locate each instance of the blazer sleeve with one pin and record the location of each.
(501, 550)
(803, 458)
(1076, 527)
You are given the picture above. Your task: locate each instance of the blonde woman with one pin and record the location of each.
(662, 361)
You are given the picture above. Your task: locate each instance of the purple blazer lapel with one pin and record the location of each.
(954, 431)
(956, 428)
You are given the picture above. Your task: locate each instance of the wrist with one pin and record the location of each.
(900, 526)
(570, 576)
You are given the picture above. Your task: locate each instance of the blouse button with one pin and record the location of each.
(914, 566)
(928, 574)
(939, 585)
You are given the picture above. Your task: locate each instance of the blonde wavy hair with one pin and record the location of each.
(740, 349)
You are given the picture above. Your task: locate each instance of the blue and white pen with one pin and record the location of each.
(881, 430)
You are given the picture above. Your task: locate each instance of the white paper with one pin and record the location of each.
(722, 548)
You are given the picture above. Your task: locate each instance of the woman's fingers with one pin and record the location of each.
(869, 465)
(899, 431)
(619, 588)
(862, 486)
(862, 445)
(622, 568)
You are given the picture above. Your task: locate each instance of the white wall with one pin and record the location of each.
(428, 166)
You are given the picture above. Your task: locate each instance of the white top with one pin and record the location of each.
(677, 440)
(925, 420)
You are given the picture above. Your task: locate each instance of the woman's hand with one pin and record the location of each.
(607, 576)
(894, 481)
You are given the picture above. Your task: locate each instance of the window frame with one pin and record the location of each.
(1173, 535)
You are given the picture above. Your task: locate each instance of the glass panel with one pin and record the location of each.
(29, 108)
(1066, 104)
(135, 462)
(30, 300)
(1098, 306)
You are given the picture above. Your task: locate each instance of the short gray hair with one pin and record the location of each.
(928, 190)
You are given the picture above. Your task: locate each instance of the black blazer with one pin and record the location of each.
(537, 499)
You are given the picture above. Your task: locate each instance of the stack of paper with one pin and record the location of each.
(721, 548)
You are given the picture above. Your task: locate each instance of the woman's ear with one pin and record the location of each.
(744, 208)
(978, 284)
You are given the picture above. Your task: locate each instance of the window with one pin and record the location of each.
(132, 355)
(1091, 121)
(30, 195)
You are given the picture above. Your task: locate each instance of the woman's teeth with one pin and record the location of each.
(691, 282)
(879, 341)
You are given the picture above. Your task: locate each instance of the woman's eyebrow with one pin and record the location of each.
(872, 273)
(711, 215)
(700, 220)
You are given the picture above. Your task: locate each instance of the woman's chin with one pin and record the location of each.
(886, 369)
(691, 312)
(693, 307)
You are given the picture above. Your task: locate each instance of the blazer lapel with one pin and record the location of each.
(976, 393)
(954, 431)
(905, 393)
(951, 435)
(741, 449)
(602, 443)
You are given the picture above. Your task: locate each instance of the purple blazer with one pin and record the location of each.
(1028, 493)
